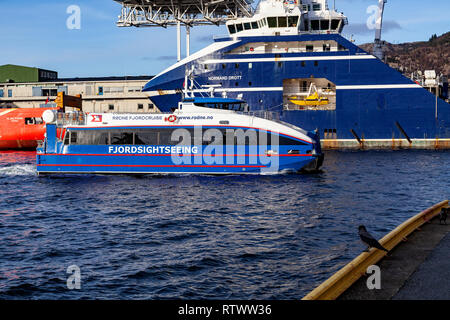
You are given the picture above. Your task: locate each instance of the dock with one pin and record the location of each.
(416, 268)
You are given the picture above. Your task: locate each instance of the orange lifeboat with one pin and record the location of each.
(21, 128)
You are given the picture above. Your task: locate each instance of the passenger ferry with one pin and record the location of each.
(203, 135)
(272, 59)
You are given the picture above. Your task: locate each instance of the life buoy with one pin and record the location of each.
(172, 118)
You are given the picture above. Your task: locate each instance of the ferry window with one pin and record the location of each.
(315, 25)
(282, 22)
(9, 93)
(119, 137)
(283, 141)
(306, 25)
(303, 64)
(146, 137)
(317, 7)
(73, 137)
(316, 63)
(324, 24)
(67, 138)
(140, 106)
(151, 106)
(255, 25)
(90, 137)
(272, 21)
(334, 24)
(326, 47)
(293, 21)
(111, 107)
(224, 66)
(206, 67)
(309, 48)
(247, 26)
(305, 7)
(236, 65)
(232, 29)
(1, 93)
(165, 137)
(239, 27)
(249, 84)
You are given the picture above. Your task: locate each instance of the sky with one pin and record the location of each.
(34, 33)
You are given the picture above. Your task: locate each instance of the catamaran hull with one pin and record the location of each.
(158, 164)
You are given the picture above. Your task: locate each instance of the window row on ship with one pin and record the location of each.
(170, 136)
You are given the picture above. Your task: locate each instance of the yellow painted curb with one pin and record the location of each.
(349, 274)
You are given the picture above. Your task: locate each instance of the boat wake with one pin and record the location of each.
(18, 170)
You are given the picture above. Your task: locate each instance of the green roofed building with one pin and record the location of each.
(10, 73)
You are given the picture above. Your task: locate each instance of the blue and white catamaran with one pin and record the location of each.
(203, 135)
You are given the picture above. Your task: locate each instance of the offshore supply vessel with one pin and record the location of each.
(290, 58)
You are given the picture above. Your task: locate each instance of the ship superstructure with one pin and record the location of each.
(273, 58)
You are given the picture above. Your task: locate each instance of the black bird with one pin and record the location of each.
(368, 239)
(443, 215)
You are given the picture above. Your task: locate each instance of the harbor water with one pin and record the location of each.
(203, 237)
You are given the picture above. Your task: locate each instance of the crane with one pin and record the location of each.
(378, 44)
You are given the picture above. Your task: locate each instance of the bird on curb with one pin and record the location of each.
(369, 240)
(443, 215)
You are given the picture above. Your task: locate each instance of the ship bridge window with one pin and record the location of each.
(239, 27)
(335, 24)
(232, 28)
(324, 24)
(315, 25)
(282, 22)
(317, 7)
(255, 25)
(247, 26)
(293, 21)
(272, 21)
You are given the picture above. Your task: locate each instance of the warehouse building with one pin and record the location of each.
(26, 87)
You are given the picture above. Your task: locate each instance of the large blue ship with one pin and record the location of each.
(290, 58)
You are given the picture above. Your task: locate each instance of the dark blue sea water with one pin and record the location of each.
(203, 237)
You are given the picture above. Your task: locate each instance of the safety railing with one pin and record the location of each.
(349, 274)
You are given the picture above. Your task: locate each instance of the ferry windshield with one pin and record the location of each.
(223, 106)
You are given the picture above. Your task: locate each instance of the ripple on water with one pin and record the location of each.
(194, 237)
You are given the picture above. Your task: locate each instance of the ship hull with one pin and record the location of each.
(375, 105)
